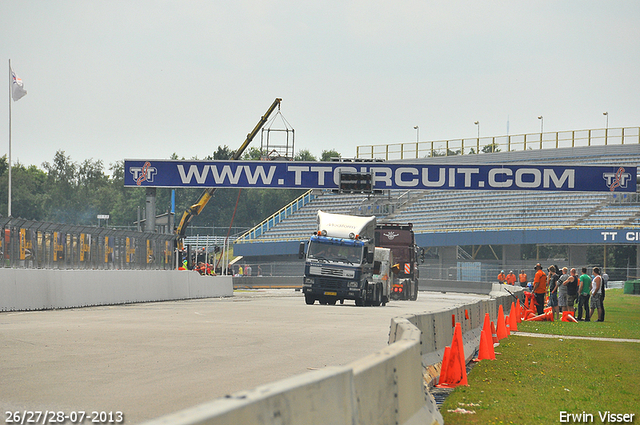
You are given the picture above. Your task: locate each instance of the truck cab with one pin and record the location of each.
(340, 261)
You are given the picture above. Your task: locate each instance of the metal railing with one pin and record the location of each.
(510, 143)
(33, 244)
(277, 217)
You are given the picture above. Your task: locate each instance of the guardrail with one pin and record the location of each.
(516, 142)
(37, 245)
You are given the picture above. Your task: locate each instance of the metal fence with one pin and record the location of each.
(33, 244)
(509, 143)
(468, 271)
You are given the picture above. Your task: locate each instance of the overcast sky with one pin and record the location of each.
(111, 80)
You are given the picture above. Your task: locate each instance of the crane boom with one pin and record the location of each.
(207, 194)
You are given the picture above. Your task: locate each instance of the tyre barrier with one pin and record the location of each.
(390, 386)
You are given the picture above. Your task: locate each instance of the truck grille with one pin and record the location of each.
(330, 271)
(328, 283)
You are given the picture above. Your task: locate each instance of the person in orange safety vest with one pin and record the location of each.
(502, 278)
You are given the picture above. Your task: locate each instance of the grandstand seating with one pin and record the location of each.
(445, 210)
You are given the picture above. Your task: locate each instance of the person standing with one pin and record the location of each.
(539, 288)
(596, 297)
(523, 278)
(584, 288)
(605, 283)
(572, 290)
(502, 277)
(511, 278)
(562, 290)
(557, 296)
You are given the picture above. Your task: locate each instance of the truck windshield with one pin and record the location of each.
(337, 253)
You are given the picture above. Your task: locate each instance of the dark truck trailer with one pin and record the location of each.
(399, 238)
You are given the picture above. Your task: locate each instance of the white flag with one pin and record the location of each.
(17, 88)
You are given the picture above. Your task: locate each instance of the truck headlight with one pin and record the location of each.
(352, 284)
(308, 280)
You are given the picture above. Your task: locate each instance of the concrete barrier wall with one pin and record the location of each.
(442, 285)
(302, 399)
(26, 289)
(387, 387)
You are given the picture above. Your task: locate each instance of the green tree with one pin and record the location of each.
(328, 154)
(4, 164)
(223, 153)
(490, 148)
(304, 155)
(61, 201)
(253, 154)
(28, 186)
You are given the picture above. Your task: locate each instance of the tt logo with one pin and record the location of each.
(144, 173)
(617, 179)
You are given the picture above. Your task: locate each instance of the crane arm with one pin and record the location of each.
(207, 194)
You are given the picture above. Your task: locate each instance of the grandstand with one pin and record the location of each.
(451, 218)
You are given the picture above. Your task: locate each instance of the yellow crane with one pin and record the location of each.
(207, 194)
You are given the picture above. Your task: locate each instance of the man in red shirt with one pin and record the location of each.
(539, 288)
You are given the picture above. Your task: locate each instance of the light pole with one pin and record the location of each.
(478, 139)
(417, 129)
(606, 129)
(541, 118)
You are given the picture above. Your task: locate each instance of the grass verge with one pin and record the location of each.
(535, 379)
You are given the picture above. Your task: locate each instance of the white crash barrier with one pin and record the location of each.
(316, 398)
(28, 289)
(387, 387)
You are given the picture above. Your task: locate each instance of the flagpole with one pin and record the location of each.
(9, 202)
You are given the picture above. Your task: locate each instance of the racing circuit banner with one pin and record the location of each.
(385, 175)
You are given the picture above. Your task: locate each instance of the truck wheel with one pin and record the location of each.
(363, 301)
(378, 299)
(309, 299)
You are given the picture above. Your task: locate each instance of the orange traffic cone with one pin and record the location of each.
(567, 316)
(518, 313)
(494, 334)
(445, 366)
(486, 326)
(532, 302)
(485, 351)
(456, 369)
(513, 322)
(501, 327)
(542, 317)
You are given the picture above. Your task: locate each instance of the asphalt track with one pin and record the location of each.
(147, 360)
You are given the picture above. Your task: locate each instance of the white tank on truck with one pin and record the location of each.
(382, 271)
(340, 261)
